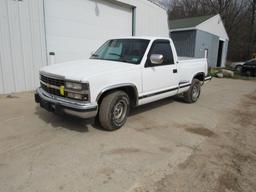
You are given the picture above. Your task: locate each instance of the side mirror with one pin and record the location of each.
(157, 59)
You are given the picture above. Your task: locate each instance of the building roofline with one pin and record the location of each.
(157, 4)
(182, 23)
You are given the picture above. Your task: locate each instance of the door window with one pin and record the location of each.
(163, 48)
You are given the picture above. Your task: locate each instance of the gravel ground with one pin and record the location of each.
(165, 146)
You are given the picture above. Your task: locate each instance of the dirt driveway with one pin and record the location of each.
(165, 146)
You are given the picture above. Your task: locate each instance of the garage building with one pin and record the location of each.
(197, 36)
(36, 33)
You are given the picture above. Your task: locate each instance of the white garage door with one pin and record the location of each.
(74, 28)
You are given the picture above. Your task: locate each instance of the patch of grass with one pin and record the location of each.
(238, 76)
(213, 72)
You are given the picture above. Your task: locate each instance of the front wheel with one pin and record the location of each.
(192, 95)
(114, 110)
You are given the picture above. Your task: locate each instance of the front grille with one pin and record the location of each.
(51, 81)
(53, 86)
(51, 90)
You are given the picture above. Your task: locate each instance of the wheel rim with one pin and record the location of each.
(195, 92)
(239, 68)
(119, 111)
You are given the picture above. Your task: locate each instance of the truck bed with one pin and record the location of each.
(189, 66)
(190, 59)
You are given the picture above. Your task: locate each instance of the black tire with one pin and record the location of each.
(239, 68)
(192, 95)
(114, 110)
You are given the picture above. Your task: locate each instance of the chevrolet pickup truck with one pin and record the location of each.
(123, 73)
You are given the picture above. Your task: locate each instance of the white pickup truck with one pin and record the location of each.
(123, 73)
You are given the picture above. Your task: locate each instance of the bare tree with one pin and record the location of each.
(252, 34)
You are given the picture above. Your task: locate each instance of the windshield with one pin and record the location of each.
(122, 50)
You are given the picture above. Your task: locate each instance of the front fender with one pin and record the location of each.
(123, 86)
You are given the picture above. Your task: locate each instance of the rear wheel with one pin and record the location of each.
(192, 95)
(114, 110)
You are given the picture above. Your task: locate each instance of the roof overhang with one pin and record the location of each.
(183, 29)
(133, 3)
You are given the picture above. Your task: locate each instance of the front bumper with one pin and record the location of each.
(63, 105)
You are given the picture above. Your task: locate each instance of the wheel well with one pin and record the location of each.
(129, 90)
(199, 76)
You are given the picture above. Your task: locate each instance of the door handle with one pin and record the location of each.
(175, 70)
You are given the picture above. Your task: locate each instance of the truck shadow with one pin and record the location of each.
(63, 121)
(82, 125)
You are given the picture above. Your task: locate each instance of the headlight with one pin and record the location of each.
(77, 91)
(72, 85)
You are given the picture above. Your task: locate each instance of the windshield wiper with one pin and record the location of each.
(126, 61)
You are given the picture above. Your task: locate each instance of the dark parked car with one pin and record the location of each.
(249, 68)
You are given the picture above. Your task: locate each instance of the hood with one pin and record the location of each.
(82, 70)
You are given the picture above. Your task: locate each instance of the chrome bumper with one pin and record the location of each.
(64, 105)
